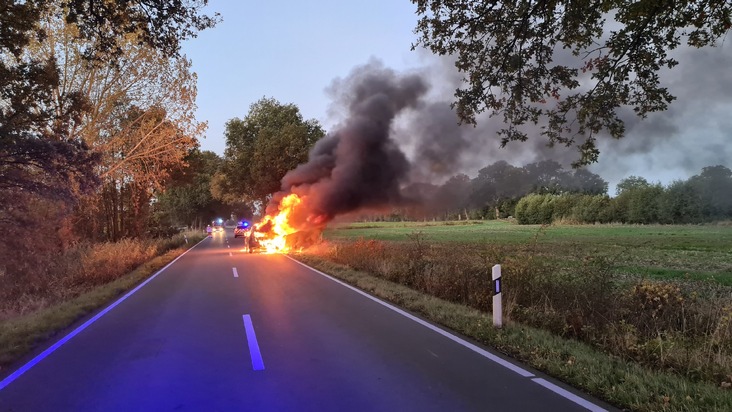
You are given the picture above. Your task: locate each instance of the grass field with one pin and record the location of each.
(698, 252)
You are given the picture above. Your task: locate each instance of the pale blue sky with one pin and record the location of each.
(291, 50)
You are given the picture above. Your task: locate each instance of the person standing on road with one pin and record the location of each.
(208, 230)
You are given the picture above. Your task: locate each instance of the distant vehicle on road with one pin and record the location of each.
(242, 229)
(218, 229)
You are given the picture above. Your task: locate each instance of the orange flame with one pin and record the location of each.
(274, 240)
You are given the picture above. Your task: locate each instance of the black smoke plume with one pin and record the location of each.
(358, 165)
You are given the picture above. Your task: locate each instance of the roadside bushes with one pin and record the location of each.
(78, 269)
(682, 326)
(452, 274)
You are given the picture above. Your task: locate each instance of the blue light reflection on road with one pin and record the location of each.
(257, 362)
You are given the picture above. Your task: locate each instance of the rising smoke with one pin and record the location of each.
(395, 133)
(358, 165)
(693, 133)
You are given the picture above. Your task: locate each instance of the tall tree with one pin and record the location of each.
(145, 149)
(498, 181)
(29, 105)
(46, 162)
(139, 120)
(681, 203)
(584, 181)
(261, 148)
(143, 81)
(41, 111)
(637, 201)
(35, 153)
(516, 59)
(631, 183)
(546, 176)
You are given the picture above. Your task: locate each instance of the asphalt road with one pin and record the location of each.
(222, 330)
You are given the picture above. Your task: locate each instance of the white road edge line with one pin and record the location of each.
(236, 274)
(31, 363)
(569, 395)
(442, 332)
(521, 371)
(257, 362)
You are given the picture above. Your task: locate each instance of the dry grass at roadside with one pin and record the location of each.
(683, 327)
(77, 270)
(620, 382)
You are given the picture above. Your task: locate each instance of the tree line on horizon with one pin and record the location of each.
(544, 192)
(706, 197)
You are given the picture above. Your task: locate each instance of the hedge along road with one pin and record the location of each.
(220, 329)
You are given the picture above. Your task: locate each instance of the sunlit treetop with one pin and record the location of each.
(567, 66)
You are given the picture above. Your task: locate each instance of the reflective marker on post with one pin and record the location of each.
(497, 304)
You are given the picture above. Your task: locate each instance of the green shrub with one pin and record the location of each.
(534, 209)
(591, 209)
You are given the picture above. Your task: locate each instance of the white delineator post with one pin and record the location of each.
(497, 304)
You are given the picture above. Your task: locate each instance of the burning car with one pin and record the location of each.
(251, 243)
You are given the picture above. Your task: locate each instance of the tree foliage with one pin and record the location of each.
(40, 109)
(160, 24)
(496, 190)
(79, 82)
(702, 198)
(714, 187)
(139, 121)
(566, 65)
(261, 148)
(35, 153)
(187, 199)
